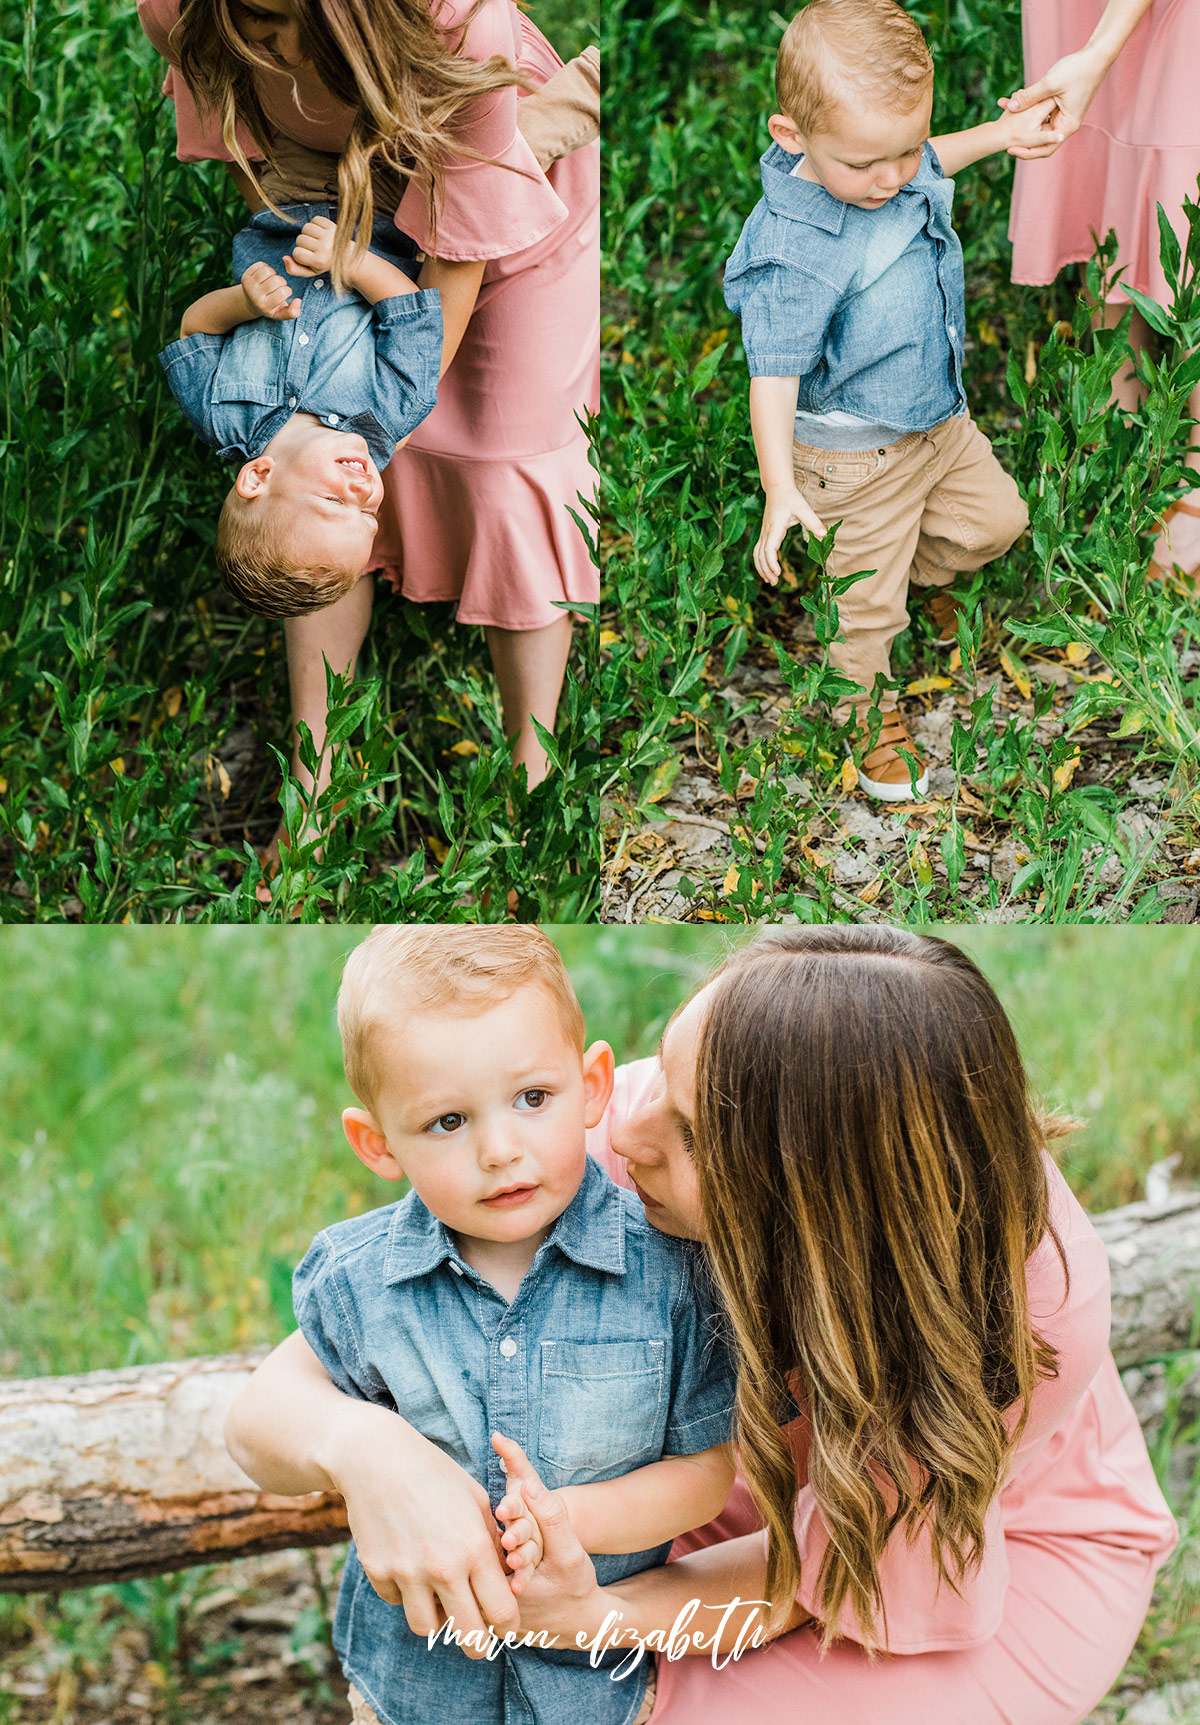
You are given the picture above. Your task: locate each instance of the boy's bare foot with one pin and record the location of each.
(1177, 548)
(883, 773)
(943, 610)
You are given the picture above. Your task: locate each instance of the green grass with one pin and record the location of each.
(1077, 677)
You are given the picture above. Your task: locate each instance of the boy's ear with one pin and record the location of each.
(598, 1067)
(785, 135)
(369, 1144)
(253, 479)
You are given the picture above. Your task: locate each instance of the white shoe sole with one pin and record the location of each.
(889, 793)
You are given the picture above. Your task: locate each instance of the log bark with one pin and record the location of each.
(117, 1474)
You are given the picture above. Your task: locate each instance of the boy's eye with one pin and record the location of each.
(533, 1098)
(447, 1123)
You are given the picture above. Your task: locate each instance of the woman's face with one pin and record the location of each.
(272, 27)
(657, 1141)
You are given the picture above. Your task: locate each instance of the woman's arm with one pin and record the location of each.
(1074, 80)
(423, 1527)
(458, 284)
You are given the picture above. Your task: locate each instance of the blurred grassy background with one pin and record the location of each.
(170, 1137)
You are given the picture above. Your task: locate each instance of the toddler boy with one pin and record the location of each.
(848, 280)
(312, 391)
(515, 1290)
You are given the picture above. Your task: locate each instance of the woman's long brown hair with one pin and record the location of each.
(871, 1176)
(386, 60)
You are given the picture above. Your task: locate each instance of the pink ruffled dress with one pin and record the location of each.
(1044, 1626)
(1138, 147)
(478, 502)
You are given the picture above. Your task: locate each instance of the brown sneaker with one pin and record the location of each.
(883, 774)
(943, 611)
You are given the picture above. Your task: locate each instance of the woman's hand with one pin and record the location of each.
(1071, 83)
(1025, 131)
(423, 1528)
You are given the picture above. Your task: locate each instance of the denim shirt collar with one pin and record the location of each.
(806, 201)
(590, 1231)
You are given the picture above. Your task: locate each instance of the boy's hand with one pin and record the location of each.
(268, 294)
(1025, 132)
(522, 1537)
(312, 254)
(784, 508)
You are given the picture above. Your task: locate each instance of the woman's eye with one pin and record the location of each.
(447, 1123)
(533, 1098)
(689, 1139)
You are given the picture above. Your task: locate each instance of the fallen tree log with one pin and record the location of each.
(117, 1474)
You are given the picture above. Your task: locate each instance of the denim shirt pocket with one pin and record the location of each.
(252, 365)
(604, 1407)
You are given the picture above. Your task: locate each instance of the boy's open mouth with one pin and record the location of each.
(509, 1197)
(354, 461)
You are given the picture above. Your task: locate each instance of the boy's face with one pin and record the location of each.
(485, 1114)
(863, 158)
(322, 487)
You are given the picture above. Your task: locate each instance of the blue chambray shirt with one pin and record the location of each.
(361, 368)
(609, 1357)
(866, 307)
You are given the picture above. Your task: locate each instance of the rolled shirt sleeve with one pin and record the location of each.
(408, 347)
(329, 1318)
(191, 368)
(785, 313)
(704, 1378)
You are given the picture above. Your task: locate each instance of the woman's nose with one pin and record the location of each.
(635, 1137)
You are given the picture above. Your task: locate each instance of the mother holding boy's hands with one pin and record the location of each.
(939, 1460)
(477, 505)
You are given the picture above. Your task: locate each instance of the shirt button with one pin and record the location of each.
(303, 340)
(333, 419)
(951, 331)
(291, 401)
(457, 1268)
(508, 1347)
(318, 283)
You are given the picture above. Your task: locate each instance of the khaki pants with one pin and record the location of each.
(363, 1715)
(935, 505)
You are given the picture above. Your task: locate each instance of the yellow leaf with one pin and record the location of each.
(871, 891)
(1133, 719)
(924, 867)
(663, 778)
(926, 685)
(118, 766)
(466, 747)
(172, 701)
(609, 637)
(849, 776)
(153, 1673)
(987, 334)
(3, 786)
(729, 884)
(1077, 652)
(954, 662)
(440, 851)
(1016, 674)
(223, 781)
(714, 341)
(1064, 774)
(1030, 362)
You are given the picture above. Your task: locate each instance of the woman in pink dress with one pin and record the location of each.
(477, 505)
(1124, 76)
(921, 1311)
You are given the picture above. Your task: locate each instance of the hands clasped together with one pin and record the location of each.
(268, 294)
